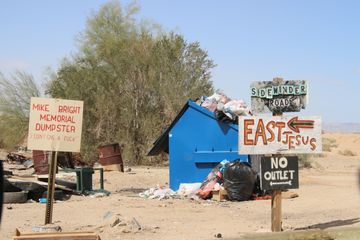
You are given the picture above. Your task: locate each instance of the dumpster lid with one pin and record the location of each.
(162, 143)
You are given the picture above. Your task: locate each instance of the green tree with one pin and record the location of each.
(15, 94)
(132, 77)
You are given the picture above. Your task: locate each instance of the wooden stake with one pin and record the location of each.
(276, 211)
(276, 220)
(51, 188)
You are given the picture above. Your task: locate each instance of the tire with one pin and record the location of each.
(58, 195)
(15, 197)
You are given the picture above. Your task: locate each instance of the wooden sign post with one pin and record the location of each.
(276, 219)
(51, 188)
(278, 135)
(54, 125)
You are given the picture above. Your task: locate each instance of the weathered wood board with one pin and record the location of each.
(61, 235)
(279, 135)
(279, 173)
(279, 96)
(55, 124)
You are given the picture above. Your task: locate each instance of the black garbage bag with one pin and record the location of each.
(239, 181)
(222, 117)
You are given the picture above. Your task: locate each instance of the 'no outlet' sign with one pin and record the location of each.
(279, 173)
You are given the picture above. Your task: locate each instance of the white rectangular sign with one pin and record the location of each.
(55, 124)
(279, 135)
(279, 96)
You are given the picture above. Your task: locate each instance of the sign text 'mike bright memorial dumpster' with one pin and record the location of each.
(55, 124)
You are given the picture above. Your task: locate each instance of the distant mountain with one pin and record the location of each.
(341, 127)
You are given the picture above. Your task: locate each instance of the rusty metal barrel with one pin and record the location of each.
(110, 154)
(41, 161)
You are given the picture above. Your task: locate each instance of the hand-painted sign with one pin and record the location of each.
(279, 135)
(55, 124)
(278, 96)
(279, 173)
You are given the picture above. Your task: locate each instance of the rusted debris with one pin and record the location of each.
(16, 158)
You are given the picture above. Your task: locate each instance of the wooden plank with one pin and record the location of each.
(63, 235)
(219, 194)
(340, 233)
(279, 96)
(279, 135)
(41, 134)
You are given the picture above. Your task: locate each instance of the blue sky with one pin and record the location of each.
(317, 41)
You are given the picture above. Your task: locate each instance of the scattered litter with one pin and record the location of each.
(47, 228)
(188, 189)
(218, 235)
(28, 163)
(9, 207)
(136, 224)
(215, 176)
(115, 222)
(16, 158)
(100, 194)
(112, 220)
(108, 215)
(126, 230)
(158, 193)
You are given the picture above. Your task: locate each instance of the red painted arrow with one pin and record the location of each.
(294, 124)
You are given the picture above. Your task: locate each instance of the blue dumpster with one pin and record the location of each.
(196, 142)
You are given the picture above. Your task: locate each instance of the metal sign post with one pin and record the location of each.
(51, 188)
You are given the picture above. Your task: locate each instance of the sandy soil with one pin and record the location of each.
(329, 196)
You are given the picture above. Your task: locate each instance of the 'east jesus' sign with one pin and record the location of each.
(274, 135)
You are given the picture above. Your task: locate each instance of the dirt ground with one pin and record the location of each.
(329, 196)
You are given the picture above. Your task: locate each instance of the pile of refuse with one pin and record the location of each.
(234, 181)
(237, 178)
(225, 108)
(22, 183)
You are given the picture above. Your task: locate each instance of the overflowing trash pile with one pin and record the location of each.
(235, 179)
(225, 108)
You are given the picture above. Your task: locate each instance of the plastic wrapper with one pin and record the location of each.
(215, 176)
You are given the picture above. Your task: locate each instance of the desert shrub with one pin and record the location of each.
(305, 161)
(133, 80)
(347, 152)
(328, 143)
(318, 155)
(15, 94)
